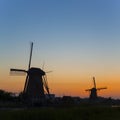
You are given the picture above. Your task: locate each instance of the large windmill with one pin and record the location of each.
(93, 91)
(35, 83)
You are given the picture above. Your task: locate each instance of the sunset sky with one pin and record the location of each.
(76, 39)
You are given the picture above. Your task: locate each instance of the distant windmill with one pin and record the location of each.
(35, 83)
(93, 91)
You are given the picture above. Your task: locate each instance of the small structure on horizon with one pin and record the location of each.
(93, 91)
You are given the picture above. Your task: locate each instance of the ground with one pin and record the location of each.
(62, 113)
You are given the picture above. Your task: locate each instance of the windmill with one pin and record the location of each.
(93, 91)
(36, 81)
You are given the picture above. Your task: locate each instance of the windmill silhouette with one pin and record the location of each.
(93, 91)
(36, 84)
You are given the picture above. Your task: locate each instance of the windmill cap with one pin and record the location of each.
(36, 71)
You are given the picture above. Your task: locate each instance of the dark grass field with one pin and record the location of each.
(62, 113)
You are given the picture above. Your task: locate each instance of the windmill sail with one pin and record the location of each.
(102, 88)
(94, 82)
(29, 65)
(45, 83)
(31, 49)
(93, 91)
(17, 72)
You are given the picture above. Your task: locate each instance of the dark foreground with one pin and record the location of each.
(62, 113)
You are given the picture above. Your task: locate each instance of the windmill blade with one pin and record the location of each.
(44, 66)
(31, 49)
(26, 82)
(17, 72)
(94, 82)
(14, 73)
(88, 90)
(45, 83)
(48, 71)
(102, 88)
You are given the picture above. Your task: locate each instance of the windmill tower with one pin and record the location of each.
(35, 83)
(93, 91)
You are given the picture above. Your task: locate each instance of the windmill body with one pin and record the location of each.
(34, 88)
(93, 93)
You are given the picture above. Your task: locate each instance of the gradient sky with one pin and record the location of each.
(77, 39)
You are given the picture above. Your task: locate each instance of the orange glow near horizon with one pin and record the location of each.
(60, 86)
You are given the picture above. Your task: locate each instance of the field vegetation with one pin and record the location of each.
(11, 108)
(62, 113)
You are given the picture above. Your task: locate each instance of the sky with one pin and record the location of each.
(76, 39)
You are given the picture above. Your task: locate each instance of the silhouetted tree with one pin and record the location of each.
(4, 96)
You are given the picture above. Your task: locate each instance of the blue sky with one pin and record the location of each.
(79, 34)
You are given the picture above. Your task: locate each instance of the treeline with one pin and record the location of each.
(7, 96)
